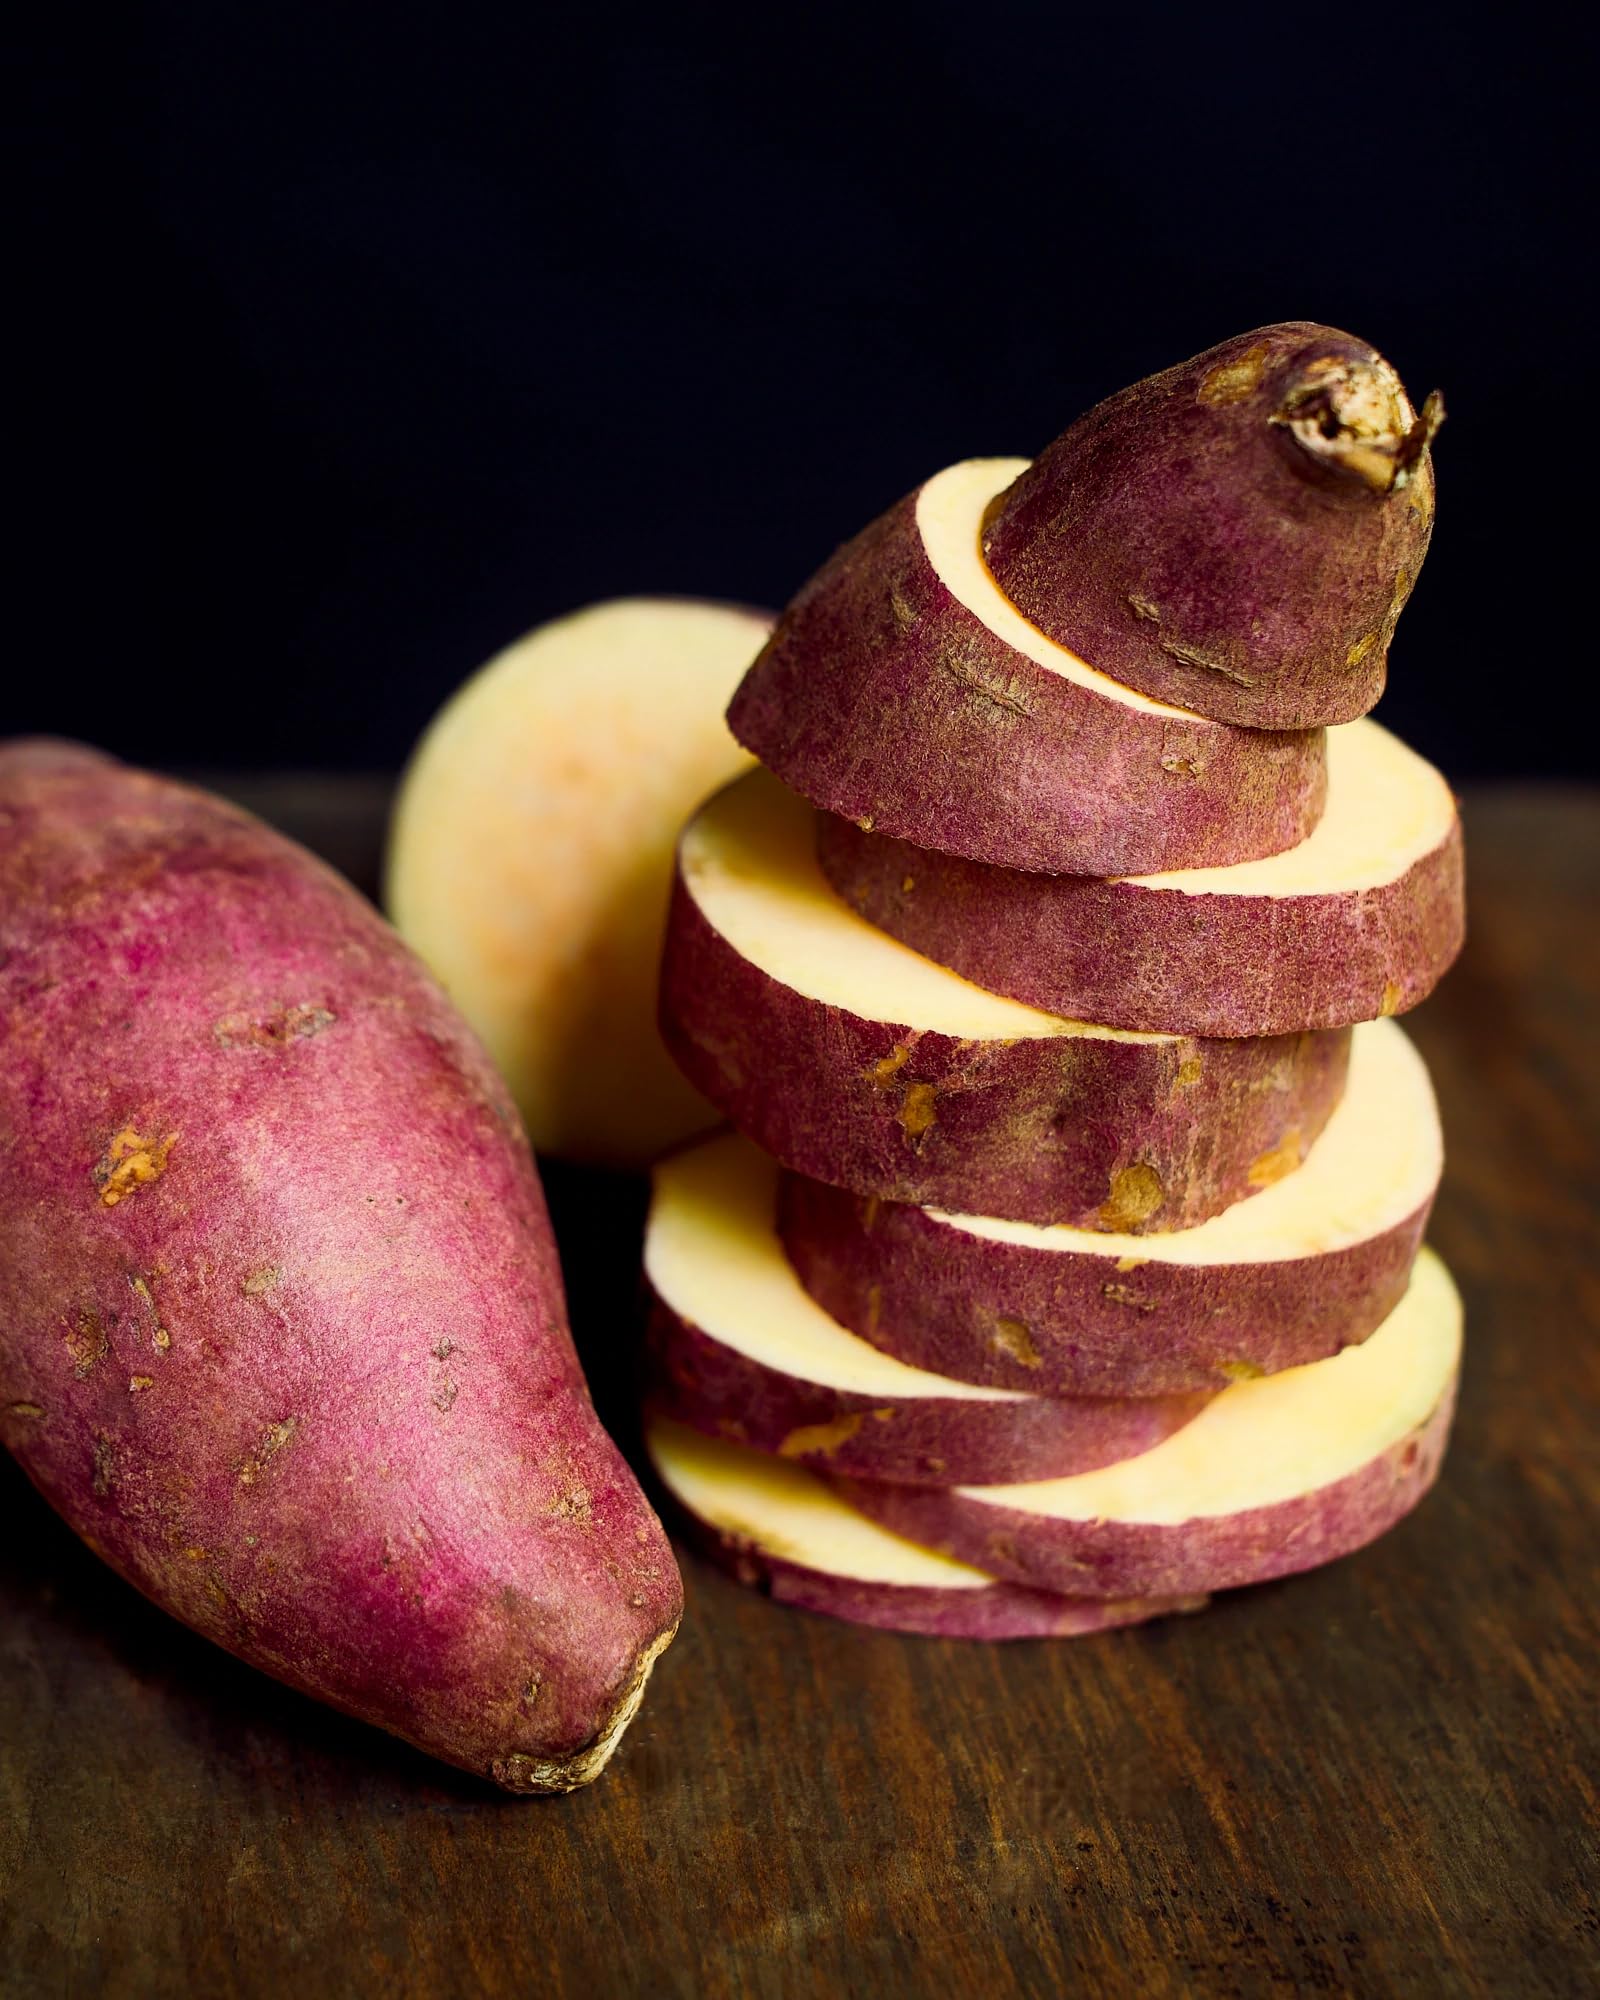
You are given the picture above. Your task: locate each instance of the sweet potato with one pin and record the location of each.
(530, 857)
(851, 1059)
(1273, 1477)
(904, 691)
(741, 1352)
(1360, 920)
(1309, 1266)
(1238, 533)
(284, 1338)
(776, 1526)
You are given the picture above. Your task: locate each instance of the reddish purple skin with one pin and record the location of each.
(1243, 551)
(1002, 1611)
(1036, 1130)
(1142, 1559)
(968, 1307)
(310, 1387)
(1134, 957)
(921, 1441)
(883, 698)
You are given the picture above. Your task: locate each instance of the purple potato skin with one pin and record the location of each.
(1069, 1324)
(1158, 958)
(1103, 1134)
(920, 1441)
(883, 698)
(285, 1339)
(1000, 1611)
(1118, 1559)
(1188, 540)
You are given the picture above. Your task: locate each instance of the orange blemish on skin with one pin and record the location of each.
(131, 1162)
(823, 1438)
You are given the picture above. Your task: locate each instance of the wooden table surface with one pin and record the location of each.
(1376, 1780)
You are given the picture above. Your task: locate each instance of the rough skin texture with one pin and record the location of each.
(285, 1339)
(1064, 1324)
(1118, 1559)
(1104, 1134)
(1140, 957)
(1000, 1611)
(1237, 534)
(920, 1440)
(882, 697)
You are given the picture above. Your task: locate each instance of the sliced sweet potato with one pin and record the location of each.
(742, 1352)
(850, 1058)
(1360, 920)
(903, 690)
(1274, 1476)
(1311, 1265)
(776, 1526)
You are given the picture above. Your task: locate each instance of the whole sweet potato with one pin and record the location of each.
(284, 1337)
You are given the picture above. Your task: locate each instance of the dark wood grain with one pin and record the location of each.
(1376, 1780)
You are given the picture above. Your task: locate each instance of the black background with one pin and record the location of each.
(355, 341)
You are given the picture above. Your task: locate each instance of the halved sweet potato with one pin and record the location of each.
(530, 858)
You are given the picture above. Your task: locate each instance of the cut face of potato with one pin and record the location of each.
(530, 859)
(784, 1510)
(748, 862)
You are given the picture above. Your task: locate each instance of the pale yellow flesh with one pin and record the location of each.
(712, 1254)
(1279, 1438)
(748, 859)
(787, 1512)
(530, 859)
(950, 510)
(1387, 808)
(1375, 1162)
